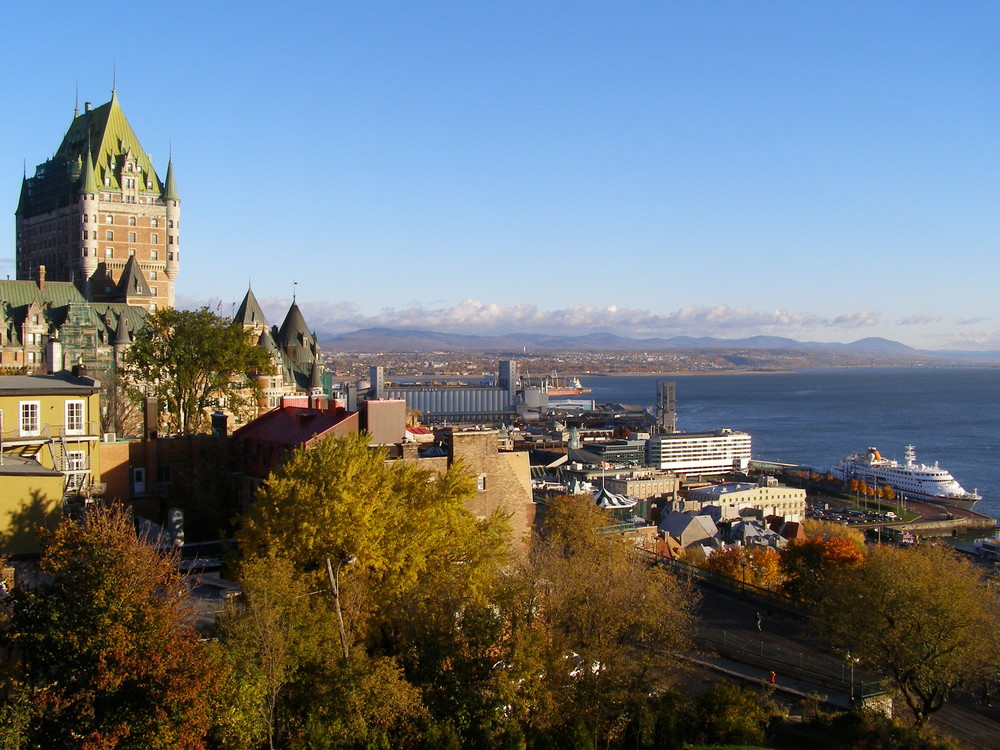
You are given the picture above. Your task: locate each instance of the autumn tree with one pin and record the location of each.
(923, 616)
(753, 565)
(193, 361)
(810, 565)
(614, 623)
(827, 530)
(108, 655)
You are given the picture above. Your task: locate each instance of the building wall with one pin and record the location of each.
(503, 479)
(26, 502)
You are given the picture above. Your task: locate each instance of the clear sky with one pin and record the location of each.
(825, 171)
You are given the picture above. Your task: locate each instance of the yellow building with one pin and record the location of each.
(49, 451)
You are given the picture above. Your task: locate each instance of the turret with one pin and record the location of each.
(89, 193)
(173, 203)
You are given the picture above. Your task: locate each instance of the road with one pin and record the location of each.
(731, 644)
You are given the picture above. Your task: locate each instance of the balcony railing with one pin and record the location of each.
(46, 432)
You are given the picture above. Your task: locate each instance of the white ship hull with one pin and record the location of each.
(910, 479)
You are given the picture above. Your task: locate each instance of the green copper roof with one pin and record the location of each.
(105, 135)
(88, 183)
(170, 187)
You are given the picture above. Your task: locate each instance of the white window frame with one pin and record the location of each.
(76, 412)
(29, 427)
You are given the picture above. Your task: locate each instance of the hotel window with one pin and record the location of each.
(152, 290)
(154, 238)
(154, 222)
(30, 426)
(170, 223)
(109, 253)
(84, 234)
(154, 255)
(109, 235)
(85, 218)
(131, 252)
(131, 236)
(131, 221)
(152, 275)
(109, 219)
(170, 240)
(74, 418)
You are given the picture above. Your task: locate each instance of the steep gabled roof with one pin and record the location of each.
(133, 282)
(99, 138)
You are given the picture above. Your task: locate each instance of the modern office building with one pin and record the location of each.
(700, 454)
(97, 214)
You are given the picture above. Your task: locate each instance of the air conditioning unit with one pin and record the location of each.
(109, 437)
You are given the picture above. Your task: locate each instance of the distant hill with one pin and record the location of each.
(394, 340)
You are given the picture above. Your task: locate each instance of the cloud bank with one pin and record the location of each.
(475, 316)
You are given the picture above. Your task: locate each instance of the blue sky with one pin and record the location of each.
(821, 170)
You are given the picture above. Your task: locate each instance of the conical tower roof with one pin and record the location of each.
(250, 314)
(121, 332)
(169, 186)
(88, 182)
(316, 377)
(293, 331)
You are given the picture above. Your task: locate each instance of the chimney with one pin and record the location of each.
(87, 106)
(41, 278)
(220, 426)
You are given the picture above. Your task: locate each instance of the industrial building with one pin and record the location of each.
(476, 404)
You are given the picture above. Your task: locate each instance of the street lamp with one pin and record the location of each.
(335, 589)
(853, 660)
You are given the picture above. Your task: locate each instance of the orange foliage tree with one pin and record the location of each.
(107, 650)
(810, 565)
(753, 564)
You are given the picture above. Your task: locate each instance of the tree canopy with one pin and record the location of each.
(191, 360)
(922, 616)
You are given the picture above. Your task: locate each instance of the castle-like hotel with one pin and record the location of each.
(98, 248)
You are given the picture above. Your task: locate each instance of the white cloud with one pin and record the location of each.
(475, 316)
(919, 320)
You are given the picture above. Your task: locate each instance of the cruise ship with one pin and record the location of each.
(910, 479)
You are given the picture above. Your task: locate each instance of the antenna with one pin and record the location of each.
(294, 284)
(114, 78)
(76, 101)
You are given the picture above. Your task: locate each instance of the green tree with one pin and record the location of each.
(922, 616)
(109, 657)
(193, 360)
(286, 677)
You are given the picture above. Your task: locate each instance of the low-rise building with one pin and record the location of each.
(767, 497)
(49, 451)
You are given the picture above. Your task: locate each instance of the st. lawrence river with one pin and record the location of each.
(817, 417)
